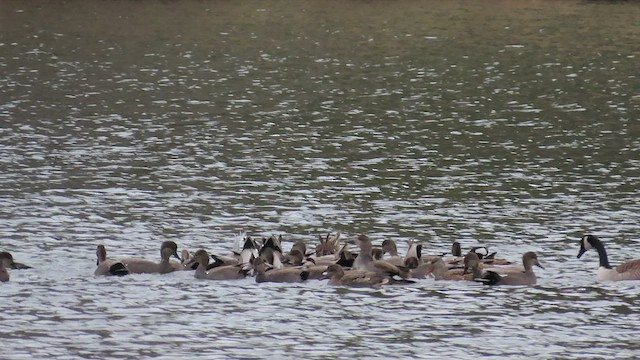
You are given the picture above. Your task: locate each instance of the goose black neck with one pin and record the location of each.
(602, 253)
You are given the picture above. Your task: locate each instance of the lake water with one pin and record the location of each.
(512, 124)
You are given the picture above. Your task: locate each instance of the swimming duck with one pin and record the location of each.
(287, 274)
(390, 248)
(377, 253)
(144, 266)
(481, 251)
(365, 261)
(300, 246)
(456, 249)
(414, 250)
(355, 278)
(108, 266)
(345, 258)
(223, 260)
(527, 277)
(249, 251)
(329, 245)
(273, 249)
(628, 270)
(186, 263)
(316, 272)
(439, 269)
(224, 272)
(294, 258)
(9, 263)
(418, 269)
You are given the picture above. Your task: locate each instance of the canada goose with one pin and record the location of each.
(365, 261)
(355, 278)
(144, 266)
(527, 277)
(224, 272)
(9, 263)
(108, 266)
(287, 275)
(628, 270)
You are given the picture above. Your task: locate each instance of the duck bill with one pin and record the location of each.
(175, 255)
(19, 266)
(540, 266)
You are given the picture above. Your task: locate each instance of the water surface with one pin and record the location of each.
(509, 124)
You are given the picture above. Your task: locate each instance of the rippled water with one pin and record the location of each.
(510, 124)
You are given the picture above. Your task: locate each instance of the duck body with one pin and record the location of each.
(185, 264)
(365, 261)
(285, 275)
(504, 269)
(440, 271)
(316, 272)
(224, 272)
(108, 267)
(282, 275)
(338, 276)
(418, 269)
(111, 268)
(145, 266)
(526, 277)
(390, 253)
(628, 270)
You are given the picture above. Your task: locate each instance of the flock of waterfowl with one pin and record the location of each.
(371, 266)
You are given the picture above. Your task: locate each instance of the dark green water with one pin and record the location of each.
(513, 124)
